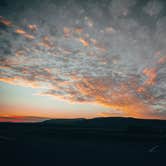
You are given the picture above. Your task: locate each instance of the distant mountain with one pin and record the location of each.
(113, 128)
(64, 121)
(110, 123)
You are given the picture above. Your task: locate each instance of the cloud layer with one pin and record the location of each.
(109, 52)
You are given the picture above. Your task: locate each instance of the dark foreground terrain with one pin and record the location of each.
(100, 141)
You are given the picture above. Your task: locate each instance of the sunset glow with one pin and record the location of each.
(72, 60)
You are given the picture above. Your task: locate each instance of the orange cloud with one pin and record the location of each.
(66, 31)
(32, 27)
(162, 60)
(5, 21)
(25, 34)
(117, 96)
(45, 42)
(151, 76)
(84, 42)
(78, 30)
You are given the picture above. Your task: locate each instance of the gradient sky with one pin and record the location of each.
(82, 59)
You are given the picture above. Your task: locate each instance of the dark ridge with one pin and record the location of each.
(117, 141)
(131, 125)
(108, 122)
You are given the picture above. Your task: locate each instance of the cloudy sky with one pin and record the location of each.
(82, 59)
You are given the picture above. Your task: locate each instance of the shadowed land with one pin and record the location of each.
(99, 141)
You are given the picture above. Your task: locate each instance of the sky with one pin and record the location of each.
(82, 59)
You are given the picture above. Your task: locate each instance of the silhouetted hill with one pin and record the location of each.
(97, 128)
(109, 123)
(64, 121)
(60, 141)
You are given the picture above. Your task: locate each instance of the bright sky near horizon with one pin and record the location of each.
(25, 101)
(82, 59)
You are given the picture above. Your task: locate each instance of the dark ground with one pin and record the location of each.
(70, 144)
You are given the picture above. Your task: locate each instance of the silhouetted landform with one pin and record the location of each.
(106, 128)
(110, 123)
(115, 124)
(97, 141)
